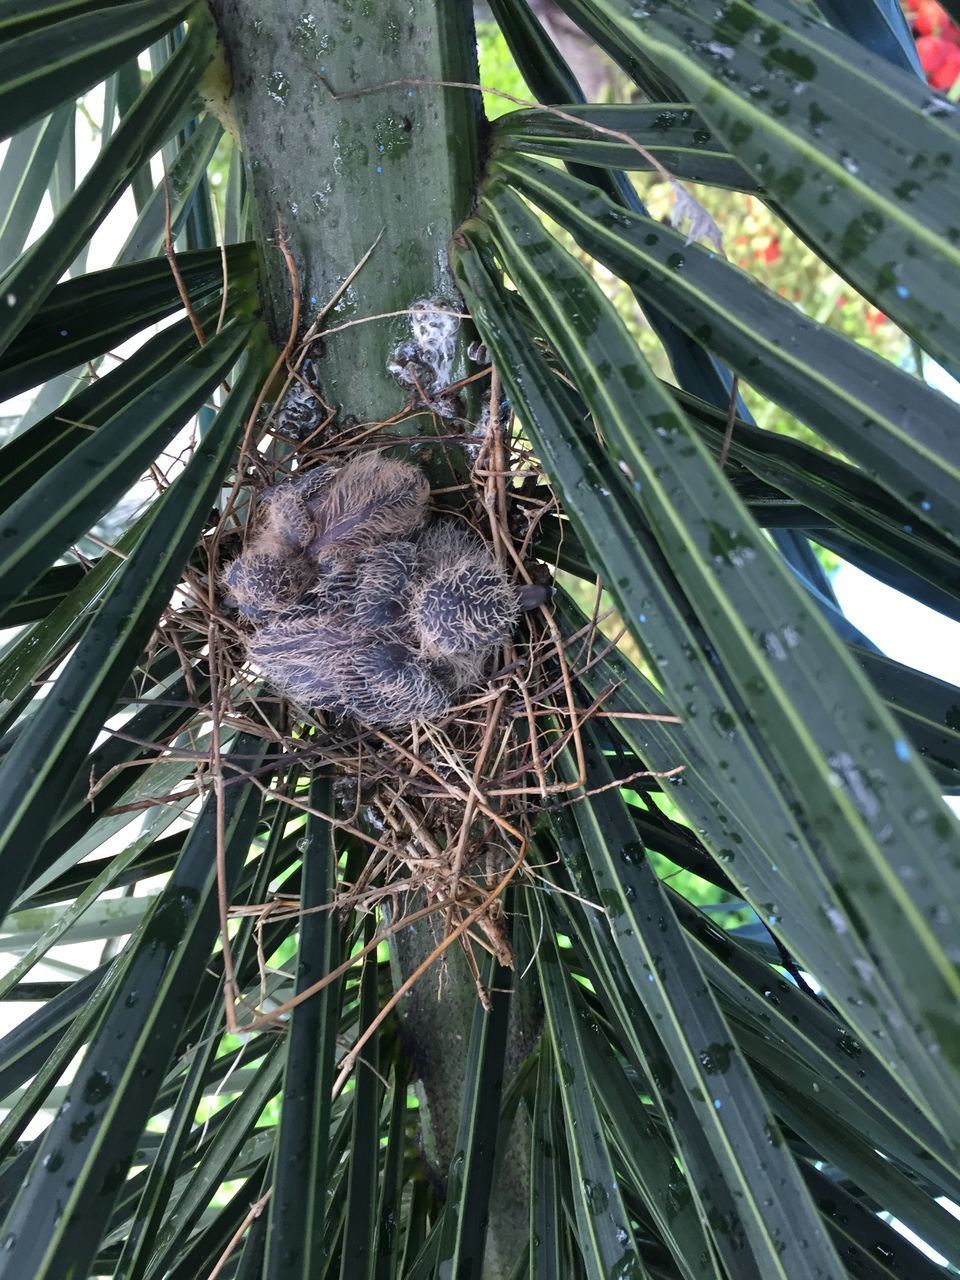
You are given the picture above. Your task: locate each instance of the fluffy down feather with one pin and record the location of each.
(259, 583)
(463, 601)
(360, 607)
(372, 499)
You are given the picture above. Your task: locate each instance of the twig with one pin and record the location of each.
(731, 422)
(225, 274)
(388, 315)
(171, 257)
(230, 989)
(351, 1057)
(266, 1019)
(253, 1213)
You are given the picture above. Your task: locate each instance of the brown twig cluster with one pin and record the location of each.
(442, 806)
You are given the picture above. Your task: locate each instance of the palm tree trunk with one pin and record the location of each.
(395, 167)
(343, 170)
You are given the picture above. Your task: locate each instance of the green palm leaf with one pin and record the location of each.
(611, 381)
(801, 107)
(162, 106)
(887, 421)
(727, 1049)
(118, 633)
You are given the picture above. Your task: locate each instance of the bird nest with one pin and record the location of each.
(399, 636)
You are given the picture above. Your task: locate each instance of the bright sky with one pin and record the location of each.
(905, 630)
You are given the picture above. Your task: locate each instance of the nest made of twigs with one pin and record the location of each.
(443, 805)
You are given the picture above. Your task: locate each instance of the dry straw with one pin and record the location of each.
(443, 808)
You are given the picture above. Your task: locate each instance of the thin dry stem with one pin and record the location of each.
(252, 1214)
(171, 257)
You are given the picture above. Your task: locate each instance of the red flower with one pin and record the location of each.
(929, 19)
(875, 320)
(772, 252)
(940, 60)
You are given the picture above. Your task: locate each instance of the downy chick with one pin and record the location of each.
(274, 569)
(259, 583)
(370, 500)
(463, 600)
(374, 677)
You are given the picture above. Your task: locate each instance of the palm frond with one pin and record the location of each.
(643, 962)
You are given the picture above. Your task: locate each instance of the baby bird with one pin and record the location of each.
(287, 521)
(306, 661)
(465, 607)
(384, 577)
(274, 569)
(368, 591)
(377, 679)
(260, 583)
(361, 610)
(464, 602)
(391, 685)
(372, 499)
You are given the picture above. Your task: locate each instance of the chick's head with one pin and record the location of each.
(260, 583)
(464, 601)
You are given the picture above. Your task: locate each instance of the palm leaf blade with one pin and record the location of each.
(58, 51)
(116, 636)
